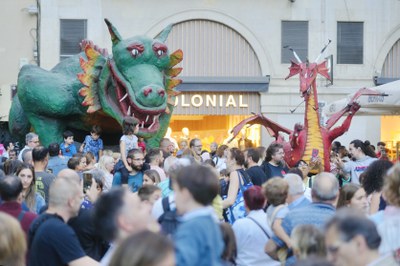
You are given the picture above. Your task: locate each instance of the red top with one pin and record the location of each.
(13, 208)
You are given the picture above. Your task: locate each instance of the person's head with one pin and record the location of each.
(27, 156)
(213, 146)
(12, 154)
(381, 145)
(32, 140)
(119, 213)
(155, 156)
(254, 198)
(351, 239)
(325, 188)
(12, 241)
(68, 137)
(149, 193)
(135, 159)
(262, 151)
(353, 196)
(335, 146)
(234, 158)
(106, 163)
(95, 132)
(195, 185)
(304, 168)
(275, 153)
(251, 157)
(276, 191)
(372, 180)
(27, 175)
(90, 159)
(358, 149)
(167, 146)
(11, 166)
(40, 154)
(151, 177)
(296, 187)
(195, 145)
(307, 241)
(54, 149)
(66, 195)
(77, 162)
(230, 251)
(98, 176)
(183, 144)
(144, 248)
(391, 191)
(10, 188)
(221, 151)
(129, 125)
(342, 151)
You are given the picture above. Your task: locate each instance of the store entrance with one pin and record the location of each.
(213, 128)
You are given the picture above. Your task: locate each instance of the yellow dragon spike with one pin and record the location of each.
(172, 83)
(173, 72)
(175, 58)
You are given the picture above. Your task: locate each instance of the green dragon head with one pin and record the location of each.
(138, 81)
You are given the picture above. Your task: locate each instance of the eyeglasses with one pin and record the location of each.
(138, 159)
(36, 141)
(303, 165)
(198, 146)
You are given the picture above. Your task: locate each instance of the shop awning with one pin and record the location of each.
(386, 104)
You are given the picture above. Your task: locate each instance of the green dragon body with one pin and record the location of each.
(93, 88)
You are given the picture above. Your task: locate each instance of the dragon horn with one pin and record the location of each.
(164, 34)
(115, 36)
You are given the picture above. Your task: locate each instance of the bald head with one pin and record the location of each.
(295, 184)
(69, 174)
(325, 188)
(62, 190)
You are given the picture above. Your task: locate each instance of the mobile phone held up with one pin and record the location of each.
(87, 181)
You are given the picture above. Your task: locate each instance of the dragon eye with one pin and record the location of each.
(136, 49)
(160, 49)
(135, 52)
(160, 52)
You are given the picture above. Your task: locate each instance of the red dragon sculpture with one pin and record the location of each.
(312, 136)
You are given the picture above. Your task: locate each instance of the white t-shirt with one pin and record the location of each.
(131, 142)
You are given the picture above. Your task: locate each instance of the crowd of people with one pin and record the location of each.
(189, 205)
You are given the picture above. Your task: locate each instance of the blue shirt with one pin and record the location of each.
(299, 203)
(68, 151)
(198, 239)
(92, 145)
(134, 181)
(56, 164)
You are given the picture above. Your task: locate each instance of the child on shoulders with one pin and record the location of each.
(128, 141)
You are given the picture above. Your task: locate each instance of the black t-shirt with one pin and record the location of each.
(53, 242)
(257, 175)
(90, 239)
(273, 171)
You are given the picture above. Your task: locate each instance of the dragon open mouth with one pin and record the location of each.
(148, 119)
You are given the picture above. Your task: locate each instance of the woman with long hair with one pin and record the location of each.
(353, 196)
(106, 164)
(33, 200)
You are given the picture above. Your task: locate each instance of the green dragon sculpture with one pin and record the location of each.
(138, 81)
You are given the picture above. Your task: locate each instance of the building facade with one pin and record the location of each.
(234, 60)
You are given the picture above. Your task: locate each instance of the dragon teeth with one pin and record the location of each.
(142, 124)
(129, 111)
(123, 98)
(147, 118)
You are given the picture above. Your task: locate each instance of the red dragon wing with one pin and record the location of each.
(294, 69)
(335, 117)
(272, 127)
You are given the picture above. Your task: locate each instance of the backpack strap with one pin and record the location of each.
(165, 204)
(21, 215)
(259, 225)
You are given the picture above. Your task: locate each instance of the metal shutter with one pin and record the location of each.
(72, 32)
(295, 35)
(350, 48)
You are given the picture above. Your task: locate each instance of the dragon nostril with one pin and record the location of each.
(161, 92)
(147, 91)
